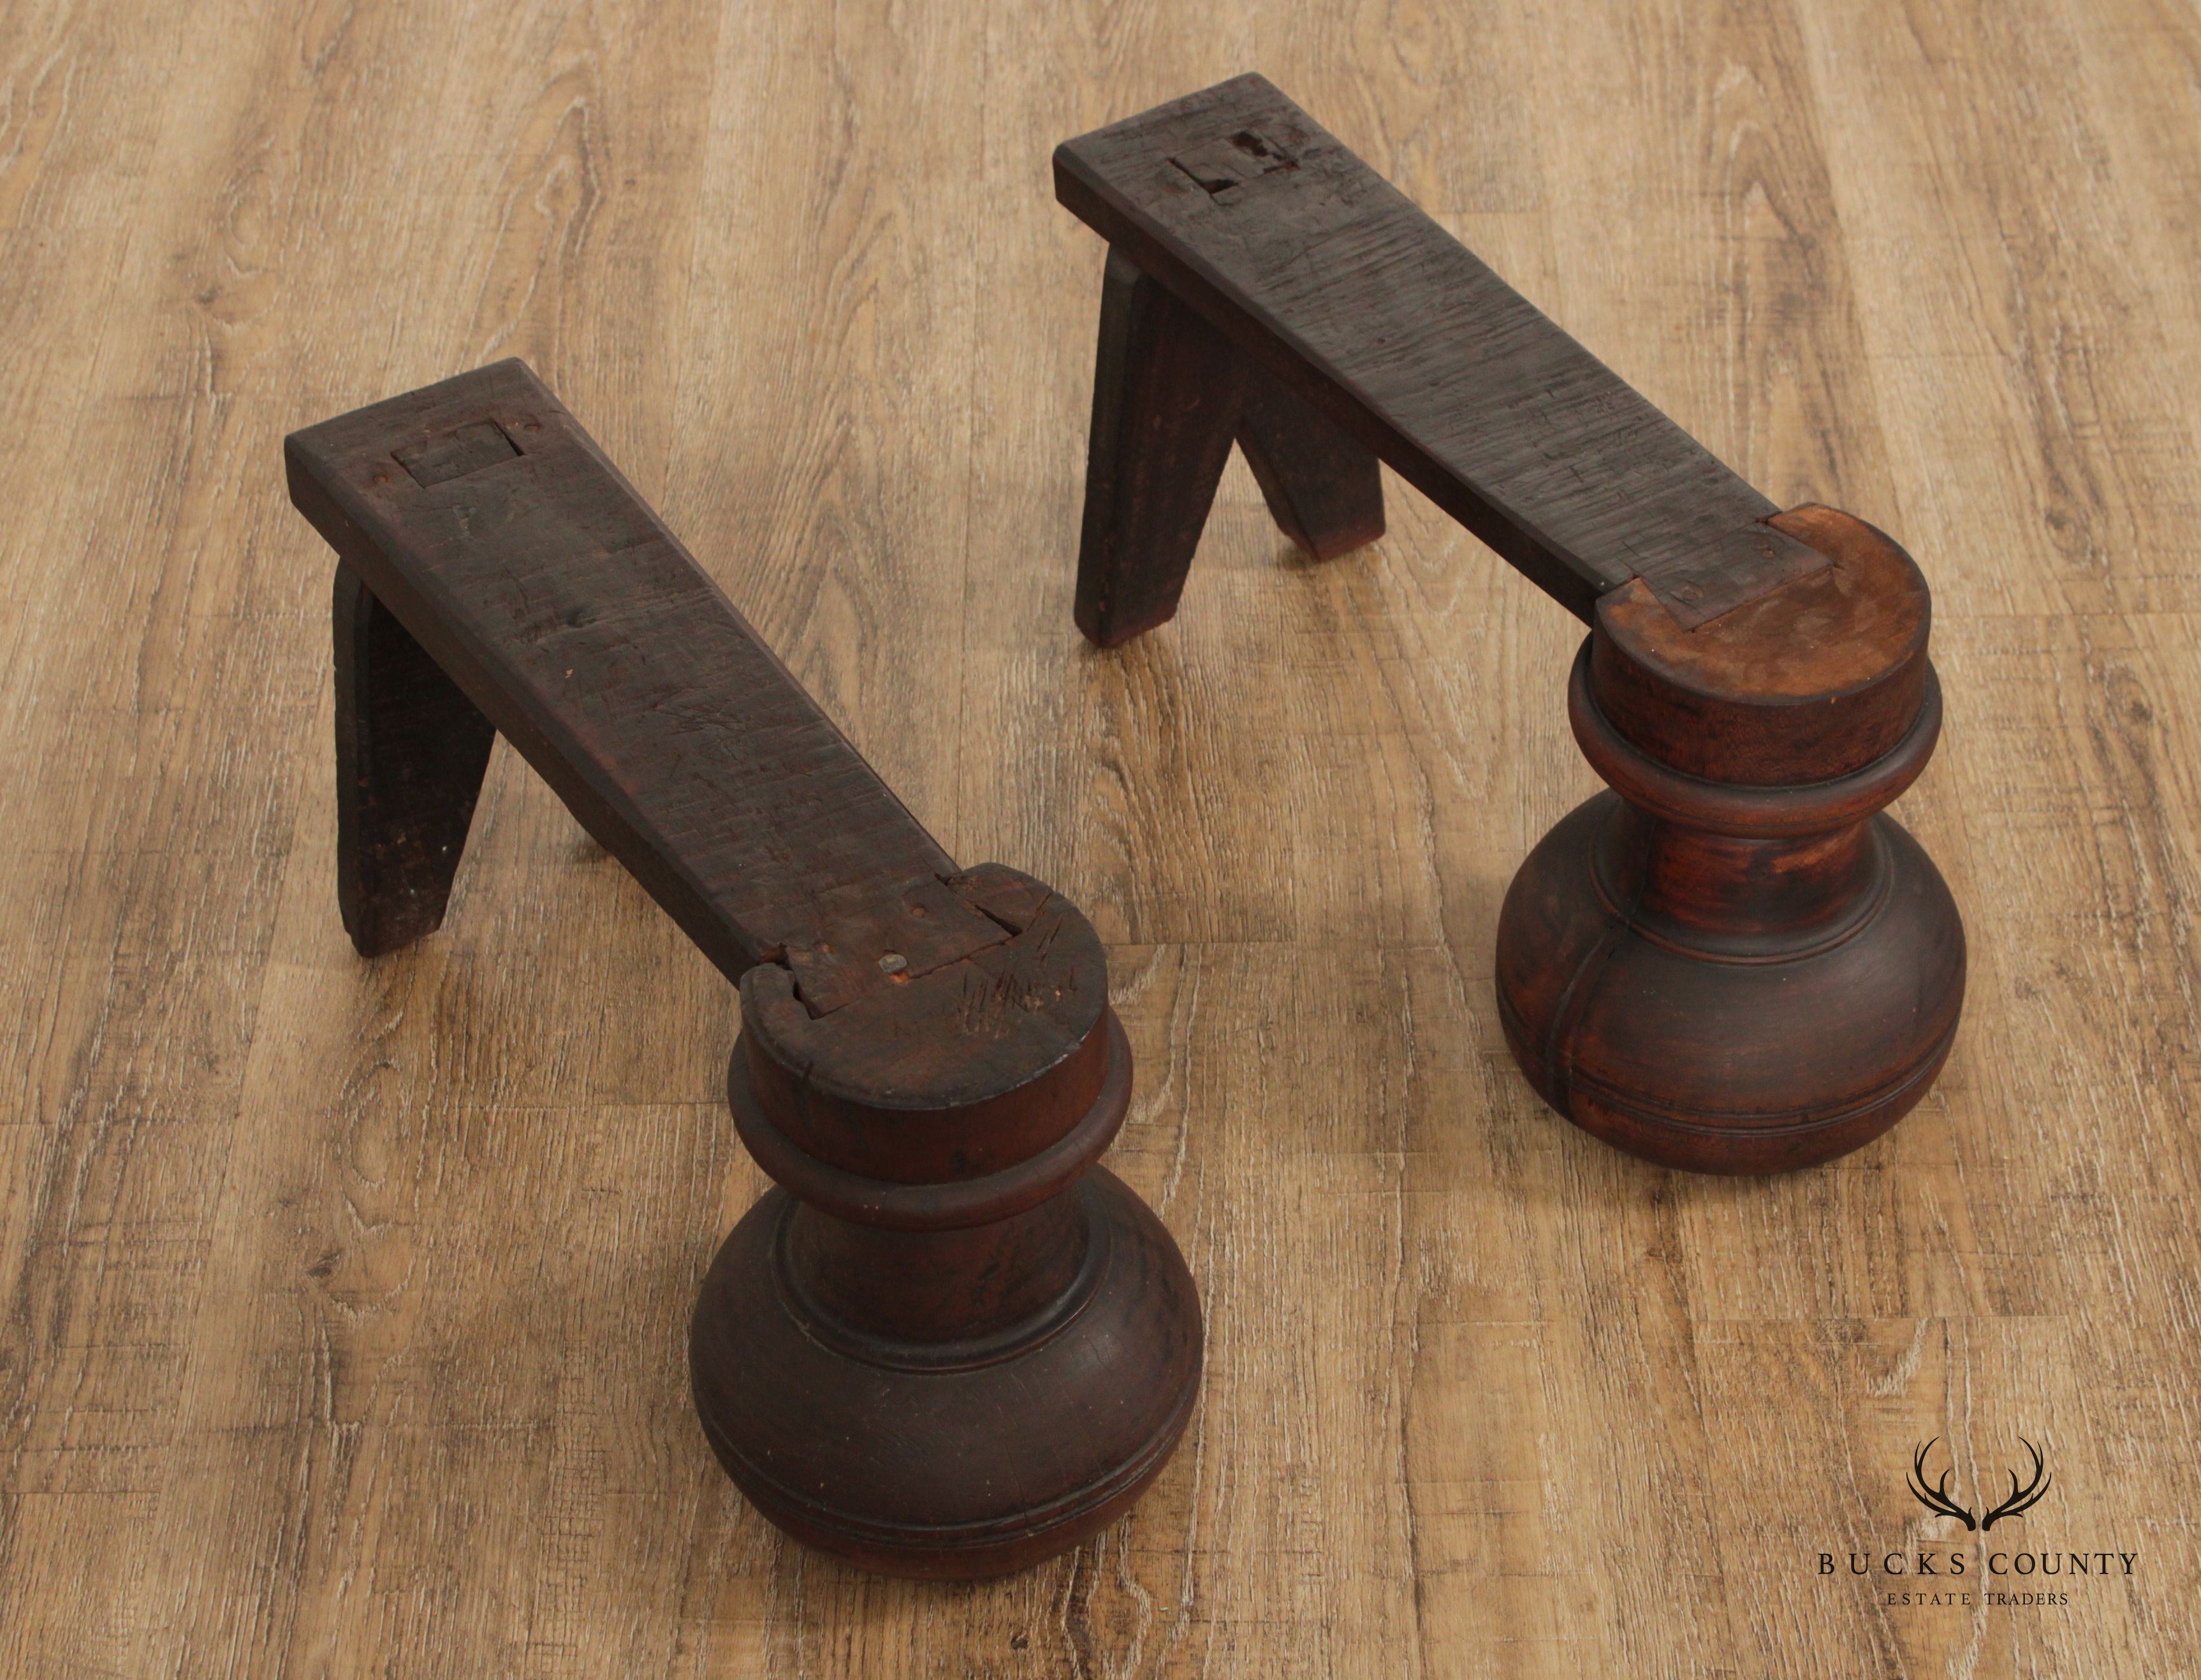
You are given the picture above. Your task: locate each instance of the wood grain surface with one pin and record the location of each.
(1358, 299)
(342, 1304)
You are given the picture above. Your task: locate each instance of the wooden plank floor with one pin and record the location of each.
(342, 1305)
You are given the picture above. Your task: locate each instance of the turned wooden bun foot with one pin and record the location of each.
(948, 1345)
(1009, 1448)
(1731, 962)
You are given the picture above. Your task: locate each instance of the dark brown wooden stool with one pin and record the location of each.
(949, 1344)
(1731, 961)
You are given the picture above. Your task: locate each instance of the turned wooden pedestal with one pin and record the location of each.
(1731, 962)
(949, 1343)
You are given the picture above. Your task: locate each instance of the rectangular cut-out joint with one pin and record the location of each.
(456, 454)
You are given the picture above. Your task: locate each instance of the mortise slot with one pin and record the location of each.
(1217, 165)
(456, 454)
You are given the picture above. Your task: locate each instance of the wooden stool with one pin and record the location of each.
(1731, 962)
(949, 1344)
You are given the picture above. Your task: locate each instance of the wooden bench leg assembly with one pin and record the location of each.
(949, 1343)
(1729, 963)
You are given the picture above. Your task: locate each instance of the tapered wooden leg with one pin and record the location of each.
(1324, 490)
(1170, 394)
(411, 751)
(1165, 402)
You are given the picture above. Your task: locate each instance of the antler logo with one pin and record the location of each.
(1934, 1495)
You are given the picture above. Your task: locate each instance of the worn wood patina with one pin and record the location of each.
(1731, 962)
(949, 1343)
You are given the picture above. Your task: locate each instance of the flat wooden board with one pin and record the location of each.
(345, 1304)
(519, 557)
(1262, 219)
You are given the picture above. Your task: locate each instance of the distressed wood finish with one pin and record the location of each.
(554, 598)
(343, 1305)
(1671, 958)
(1332, 280)
(943, 1348)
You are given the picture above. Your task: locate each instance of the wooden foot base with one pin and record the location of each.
(1693, 1055)
(1729, 977)
(1028, 1341)
(1008, 1447)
